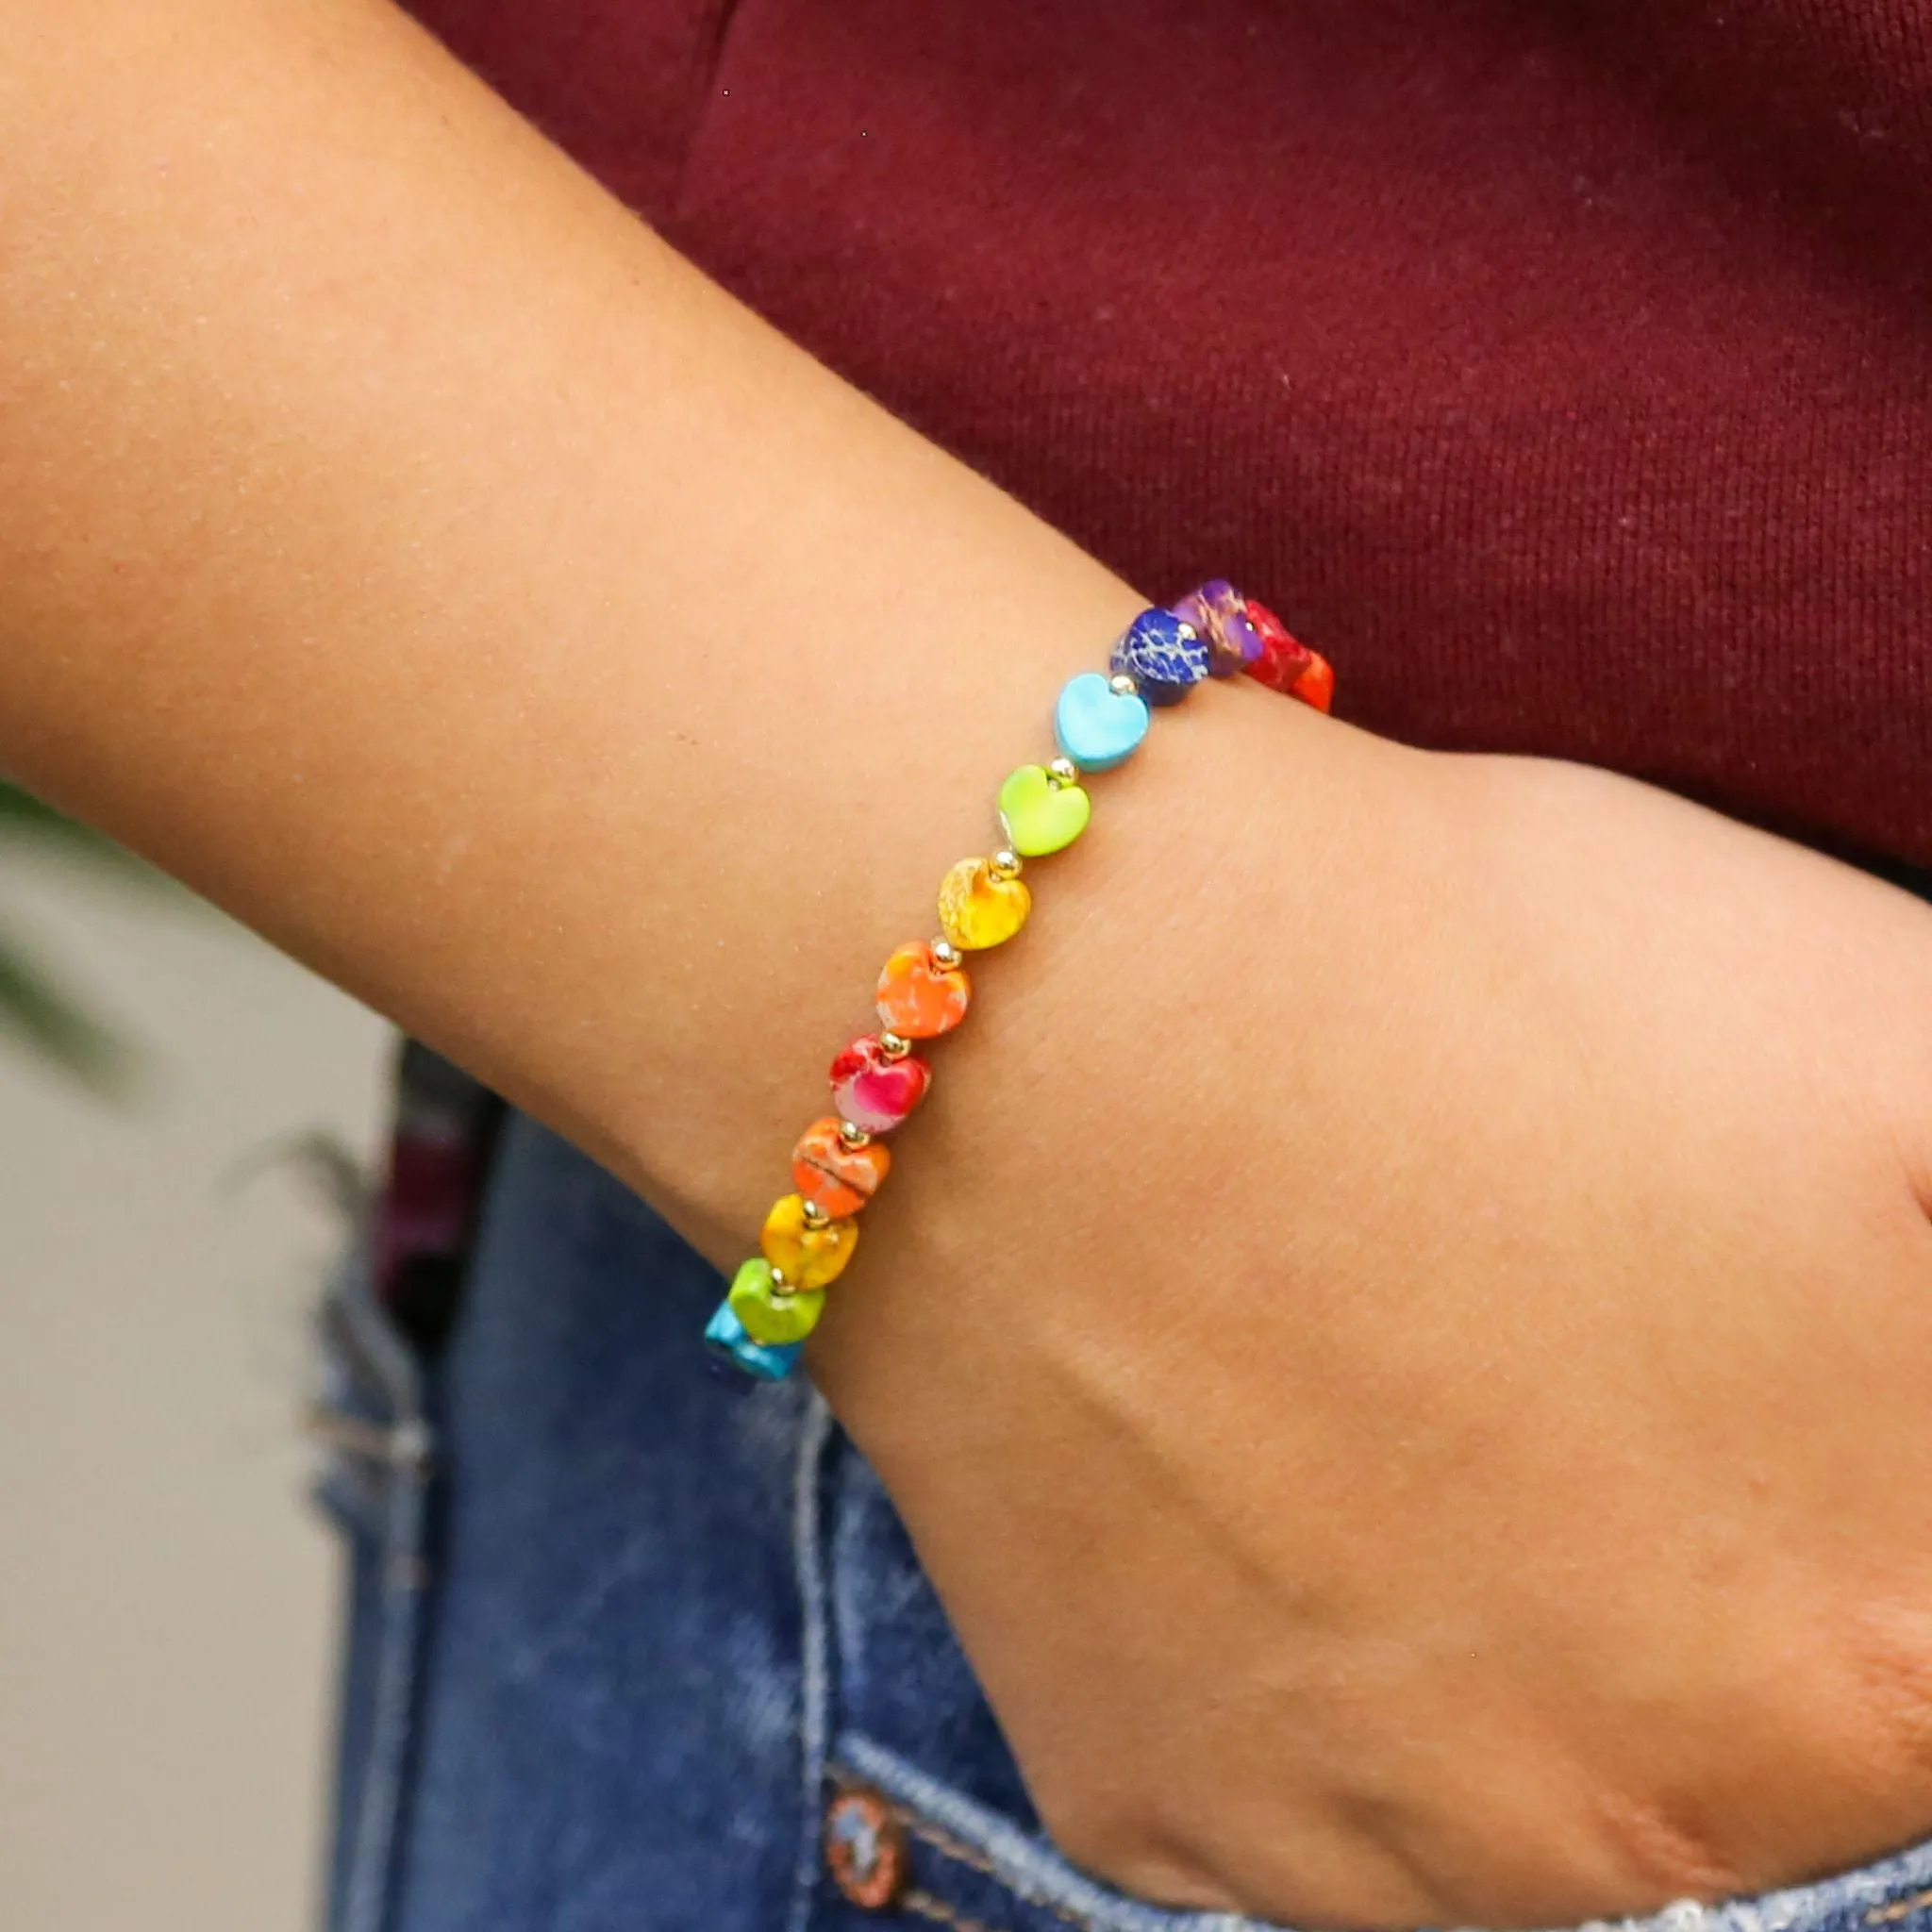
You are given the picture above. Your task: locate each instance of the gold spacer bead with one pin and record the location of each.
(780, 1287)
(1123, 685)
(815, 1216)
(1065, 771)
(853, 1136)
(1006, 865)
(893, 1048)
(945, 953)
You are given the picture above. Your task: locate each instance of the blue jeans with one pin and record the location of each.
(628, 1654)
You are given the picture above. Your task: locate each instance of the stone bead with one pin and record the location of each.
(1163, 655)
(833, 1177)
(725, 1337)
(1040, 814)
(916, 997)
(1315, 686)
(1097, 726)
(774, 1321)
(1218, 614)
(978, 910)
(1281, 659)
(875, 1091)
(809, 1256)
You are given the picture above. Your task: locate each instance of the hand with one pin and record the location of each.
(1404, 1344)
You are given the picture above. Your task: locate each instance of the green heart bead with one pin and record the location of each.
(1042, 814)
(773, 1319)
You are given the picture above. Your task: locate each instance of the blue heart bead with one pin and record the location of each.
(1097, 726)
(1165, 657)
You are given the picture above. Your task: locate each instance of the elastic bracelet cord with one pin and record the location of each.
(776, 1297)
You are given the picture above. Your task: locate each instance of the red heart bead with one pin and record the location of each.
(874, 1091)
(1316, 685)
(1282, 659)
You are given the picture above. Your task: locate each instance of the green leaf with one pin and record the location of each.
(37, 1012)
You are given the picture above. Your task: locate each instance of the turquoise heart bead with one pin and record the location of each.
(725, 1337)
(1097, 726)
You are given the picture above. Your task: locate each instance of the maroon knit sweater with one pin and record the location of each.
(1561, 368)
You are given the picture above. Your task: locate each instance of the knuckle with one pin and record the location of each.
(1122, 1845)
(1663, 1850)
(1092, 1835)
(1891, 1652)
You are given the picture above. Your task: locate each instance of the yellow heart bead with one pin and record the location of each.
(978, 910)
(807, 1257)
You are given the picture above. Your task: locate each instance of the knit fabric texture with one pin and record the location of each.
(1559, 367)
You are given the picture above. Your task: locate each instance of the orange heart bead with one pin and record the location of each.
(833, 1176)
(920, 999)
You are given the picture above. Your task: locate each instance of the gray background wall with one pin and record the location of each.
(167, 1599)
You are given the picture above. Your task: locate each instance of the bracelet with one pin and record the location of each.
(776, 1297)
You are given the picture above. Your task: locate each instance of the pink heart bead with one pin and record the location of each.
(874, 1091)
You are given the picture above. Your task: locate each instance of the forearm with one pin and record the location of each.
(403, 547)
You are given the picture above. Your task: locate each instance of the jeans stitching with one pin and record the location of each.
(404, 1577)
(1899, 1908)
(1030, 1870)
(942, 1913)
(354, 1320)
(951, 1847)
(815, 1666)
(959, 1851)
(945, 1843)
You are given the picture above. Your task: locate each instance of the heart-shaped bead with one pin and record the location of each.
(809, 1256)
(1163, 655)
(1288, 665)
(1281, 659)
(875, 1091)
(832, 1176)
(772, 1319)
(1316, 685)
(725, 1337)
(1218, 614)
(920, 999)
(1097, 726)
(1040, 814)
(978, 909)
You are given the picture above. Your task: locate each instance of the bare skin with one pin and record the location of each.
(1486, 1480)
(1400, 1334)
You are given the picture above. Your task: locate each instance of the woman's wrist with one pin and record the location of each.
(1101, 719)
(1146, 947)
